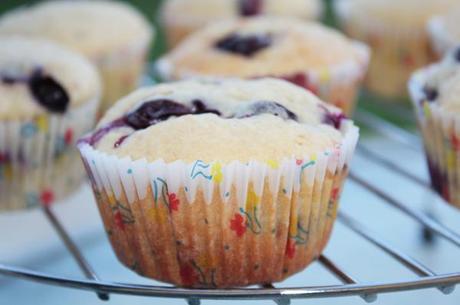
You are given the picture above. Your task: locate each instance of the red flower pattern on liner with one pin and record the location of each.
(290, 248)
(119, 220)
(335, 194)
(47, 197)
(238, 224)
(455, 142)
(68, 136)
(173, 202)
(187, 275)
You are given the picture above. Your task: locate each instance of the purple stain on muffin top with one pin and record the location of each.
(156, 111)
(250, 7)
(430, 93)
(267, 107)
(44, 88)
(244, 45)
(333, 118)
(152, 112)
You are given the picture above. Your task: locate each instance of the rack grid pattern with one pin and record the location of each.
(445, 283)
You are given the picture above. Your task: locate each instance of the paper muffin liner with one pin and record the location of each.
(121, 71)
(205, 224)
(441, 134)
(38, 160)
(397, 51)
(337, 85)
(440, 38)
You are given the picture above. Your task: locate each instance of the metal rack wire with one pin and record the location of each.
(427, 278)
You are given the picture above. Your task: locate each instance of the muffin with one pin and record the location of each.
(183, 17)
(435, 92)
(48, 98)
(219, 183)
(113, 35)
(396, 32)
(444, 32)
(305, 53)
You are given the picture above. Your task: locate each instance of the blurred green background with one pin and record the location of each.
(399, 113)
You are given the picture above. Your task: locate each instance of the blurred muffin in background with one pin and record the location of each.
(113, 35)
(305, 53)
(435, 92)
(444, 31)
(48, 98)
(396, 32)
(208, 183)
(183, 17)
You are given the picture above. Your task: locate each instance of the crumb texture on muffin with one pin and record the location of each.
(261, 46)
(91, 27)
(37, 76)
(219, 121)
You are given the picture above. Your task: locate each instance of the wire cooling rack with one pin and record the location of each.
(445, 283)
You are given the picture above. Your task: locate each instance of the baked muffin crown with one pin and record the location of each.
(260, 46)
(38, 76)
(203, 11)
(413, 13)
(91, 27)
(439, 84)
(222, 121)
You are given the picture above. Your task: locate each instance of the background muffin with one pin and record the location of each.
(444, 31)
(183, 17)
(305, 53)
(112, 35)
(48, 98)
(216, 184)
(435, 92)
(395, 30)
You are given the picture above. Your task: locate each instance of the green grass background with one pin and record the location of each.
(399, 113)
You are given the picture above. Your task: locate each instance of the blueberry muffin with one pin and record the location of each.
(48, 99)
(307, 54)
(180, 18)
(444, 32)
(396, 32)
(206, 183)
(113, 35)
(435, 92)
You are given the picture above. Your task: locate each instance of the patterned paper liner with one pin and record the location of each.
(396, 50)
(204, 224)
(38, 161)
(441, 39)
(338, 84)
(121, 71)
(441, 134)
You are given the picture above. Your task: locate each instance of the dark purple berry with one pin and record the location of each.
(273, 108)
(333, 118)
(244, 45)
(48, 92)
(153, 112)
(120, 141)
(457, 54)
(250, 7)
(430, 93)
(199, 107)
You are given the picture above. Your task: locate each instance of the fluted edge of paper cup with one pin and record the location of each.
(202, 224)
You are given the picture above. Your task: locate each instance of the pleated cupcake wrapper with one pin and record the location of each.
(441, 40)
(38, 161)
(396, 50)
(205, 224)
(337, 84)
(441, 134)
